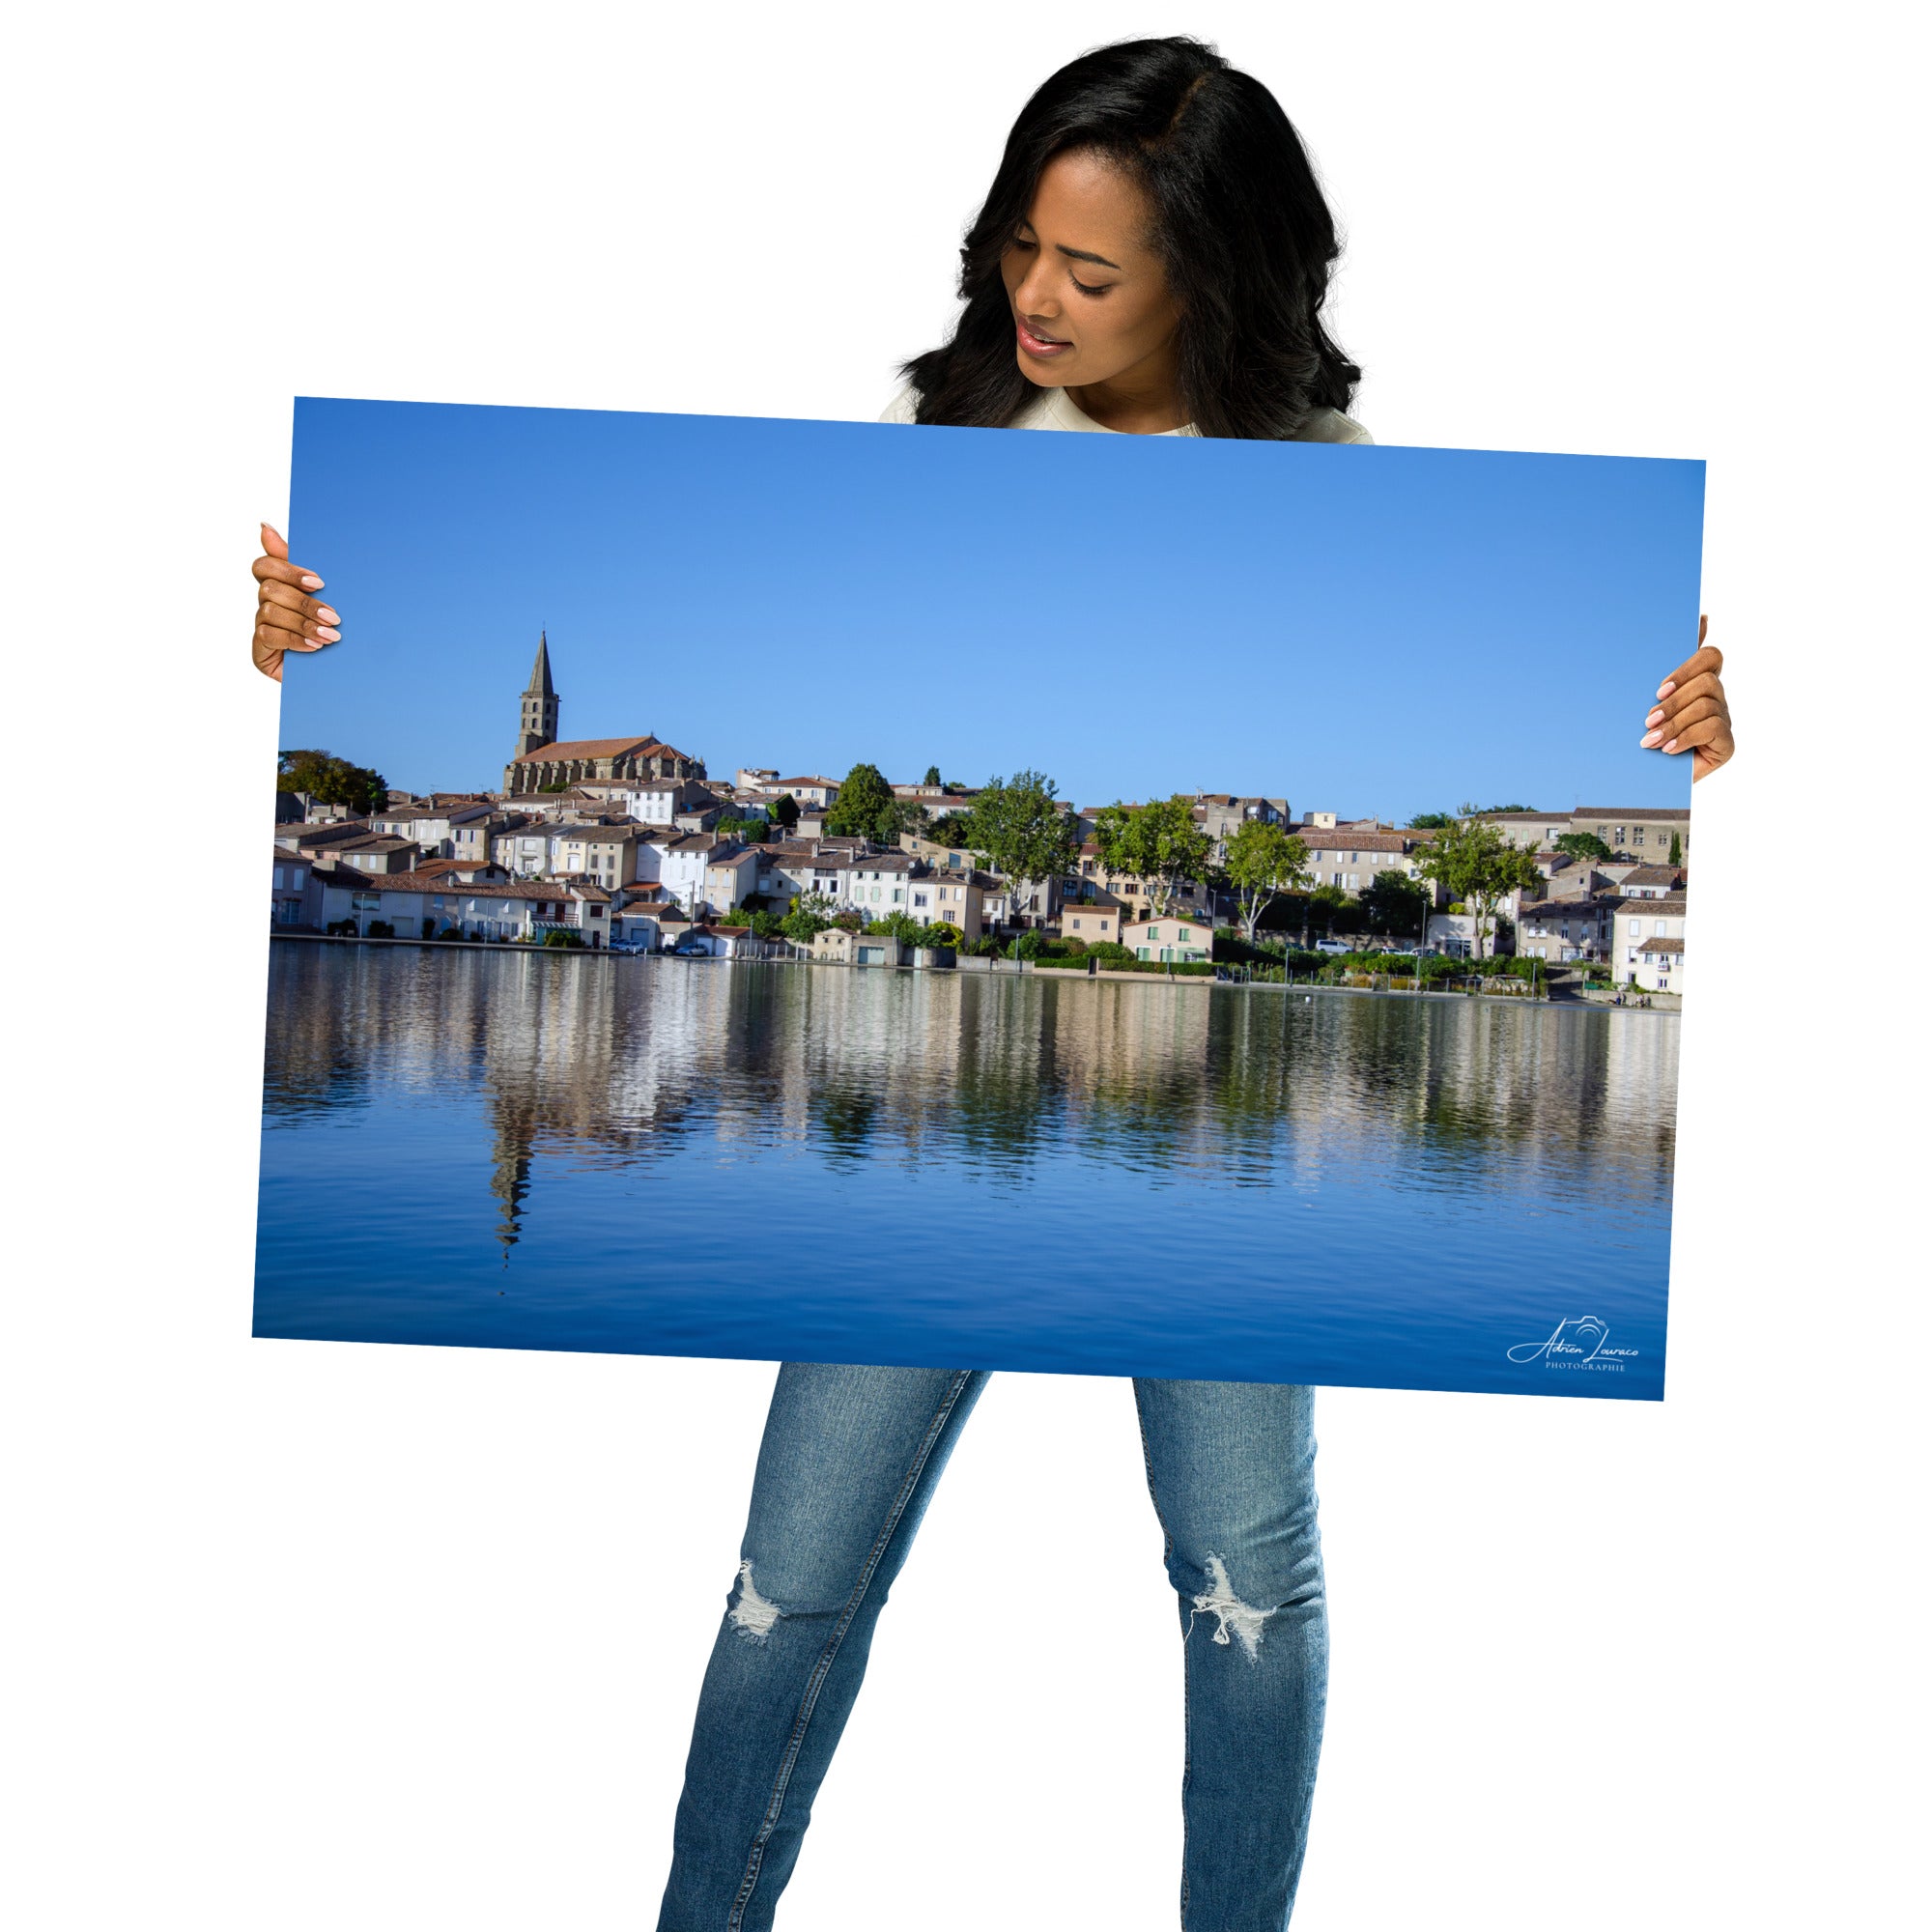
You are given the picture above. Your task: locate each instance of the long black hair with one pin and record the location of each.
(1241, 229)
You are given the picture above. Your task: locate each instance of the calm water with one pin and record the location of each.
(825, 1164)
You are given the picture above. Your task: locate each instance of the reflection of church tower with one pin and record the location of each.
(538, 725)
(510, 1166)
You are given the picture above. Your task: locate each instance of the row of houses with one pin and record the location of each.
(641, 860)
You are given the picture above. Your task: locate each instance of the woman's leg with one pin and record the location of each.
(848, 1464)
(1230, 1467)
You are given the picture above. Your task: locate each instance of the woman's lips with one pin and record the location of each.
(1043, 345)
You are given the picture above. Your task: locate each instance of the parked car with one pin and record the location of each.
(1333, 946)
(630, 946)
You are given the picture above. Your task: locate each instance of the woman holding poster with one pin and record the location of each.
(1151, 258)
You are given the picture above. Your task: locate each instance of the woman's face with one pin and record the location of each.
(1091, 300)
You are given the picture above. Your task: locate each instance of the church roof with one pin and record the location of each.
(566, 748)
(540, 685)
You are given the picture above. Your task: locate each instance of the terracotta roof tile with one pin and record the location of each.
(567, 748)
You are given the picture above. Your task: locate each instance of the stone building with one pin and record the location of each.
(545, 762)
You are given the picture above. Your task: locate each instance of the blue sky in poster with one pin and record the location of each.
(1367, 631)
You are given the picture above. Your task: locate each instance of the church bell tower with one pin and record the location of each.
(538, 725)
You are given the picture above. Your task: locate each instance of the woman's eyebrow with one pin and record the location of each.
(1087, 255)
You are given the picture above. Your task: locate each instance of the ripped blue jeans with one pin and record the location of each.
(849, 1460)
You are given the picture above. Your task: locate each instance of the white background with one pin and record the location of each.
(313, 1636)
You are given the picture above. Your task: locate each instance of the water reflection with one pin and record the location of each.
(597, 1062)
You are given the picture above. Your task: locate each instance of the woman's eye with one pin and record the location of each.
(1090, 288)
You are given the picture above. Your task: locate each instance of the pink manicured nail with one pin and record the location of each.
(311, 582)
(1654, 717)
(1664, 689)
(328, 636)
(1672, 746)
(329, 616)
(1652, 739)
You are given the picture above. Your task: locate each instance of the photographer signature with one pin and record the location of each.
(1582, 1342)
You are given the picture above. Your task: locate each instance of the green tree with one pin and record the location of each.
(907, 814)
(810, 915)
(900, 925)
(1394, 906)
(1676, 848)
(1264, 861)
(864, 808)
(1584, 845)
(952, 828)
(1476, 864)
(1018, 830)
(1158, 843)
(1322, 906)
(331, 779)
(1432, 821)
(784, 811)
(932, 777)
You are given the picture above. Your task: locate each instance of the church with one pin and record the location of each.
(543, 762)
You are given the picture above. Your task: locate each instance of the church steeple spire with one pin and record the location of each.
(536, 727)
(540, 685)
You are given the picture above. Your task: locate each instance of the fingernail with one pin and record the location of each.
(1654, 717)
(1653, 738)
(329, 616)
(1664, 689)
(311, 582)
(1672, 746)
(328, 636)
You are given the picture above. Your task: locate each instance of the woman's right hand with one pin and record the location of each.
(287, 618)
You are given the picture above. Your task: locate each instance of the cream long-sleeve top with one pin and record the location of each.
(1055, 409)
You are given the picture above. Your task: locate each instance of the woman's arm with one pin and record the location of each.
(1692, 713)
(286, 617)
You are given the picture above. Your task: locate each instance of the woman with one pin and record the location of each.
(1152, 259)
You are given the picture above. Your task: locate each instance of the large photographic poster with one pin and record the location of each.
(867, 893)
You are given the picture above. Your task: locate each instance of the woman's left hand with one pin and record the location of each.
(1692, 713)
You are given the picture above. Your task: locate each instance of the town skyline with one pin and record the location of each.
(812, 595)
(627, 842)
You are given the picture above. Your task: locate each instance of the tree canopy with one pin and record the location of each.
(784, 811)
(1158, 843)
(331, 779)
(1016, 828)
(1393, 906)
(900, 925)
(932, 777)
(866, 807)
(1263, 861)
(1474, 863)
(810, 915)
(1584, 845)
(1432, 821)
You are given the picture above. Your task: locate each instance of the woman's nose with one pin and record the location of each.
(1035, 296)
